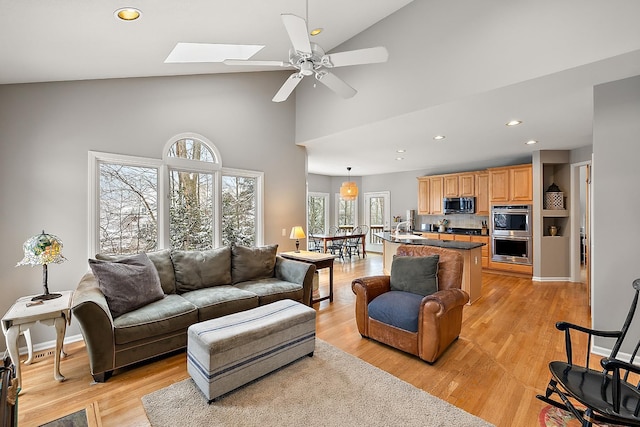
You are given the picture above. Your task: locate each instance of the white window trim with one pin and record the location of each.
(325, 196)
(259, 176)
(95, 158)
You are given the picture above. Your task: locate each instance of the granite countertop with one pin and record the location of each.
(411, 239)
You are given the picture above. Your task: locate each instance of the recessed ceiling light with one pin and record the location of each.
(531, 142)
(401, 151)
(316, 31)
(127, 14)
(438, 137)
(399, 158)
(514, 123)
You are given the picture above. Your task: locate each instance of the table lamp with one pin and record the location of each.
(297, 233)
(43, 249)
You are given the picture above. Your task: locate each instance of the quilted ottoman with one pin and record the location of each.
(230, 351)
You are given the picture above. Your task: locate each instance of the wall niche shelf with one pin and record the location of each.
(555, 213)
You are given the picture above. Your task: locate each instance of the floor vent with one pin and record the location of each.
(39, 355)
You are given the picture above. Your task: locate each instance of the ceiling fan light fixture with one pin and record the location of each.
(127, 14)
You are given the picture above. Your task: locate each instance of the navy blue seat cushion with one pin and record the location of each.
(397, 308)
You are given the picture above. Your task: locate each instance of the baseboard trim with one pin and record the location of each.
(43, 347)
(550, 279)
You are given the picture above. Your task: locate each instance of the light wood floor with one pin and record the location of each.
(494, 370)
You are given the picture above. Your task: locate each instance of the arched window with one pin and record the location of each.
(187, 200)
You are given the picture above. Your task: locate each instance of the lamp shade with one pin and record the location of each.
(349, 190)
(297, 233)
(42, 249)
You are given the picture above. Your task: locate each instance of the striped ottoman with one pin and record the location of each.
(228, 352)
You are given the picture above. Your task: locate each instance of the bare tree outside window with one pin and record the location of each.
(128, 208)
(238, 210)
(317, 213)
(346, 213)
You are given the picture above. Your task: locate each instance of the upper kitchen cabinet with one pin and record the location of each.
(482, 193)
(430, 190)
(458, 185)
(512, 184)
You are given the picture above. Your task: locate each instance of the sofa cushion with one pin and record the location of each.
(173, 313)
(128, 283)
(221, 300)
(252, 263)
(161, 260)
(397, 308)
(201, 269)
(416, 274)
(273, 289)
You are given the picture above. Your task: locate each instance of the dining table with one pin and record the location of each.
(332, 237)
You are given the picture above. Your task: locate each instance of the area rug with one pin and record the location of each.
(77, 419)
(332, 388)
(551, 416)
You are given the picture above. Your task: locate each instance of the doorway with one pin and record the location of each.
(581, 223)
(377, 215)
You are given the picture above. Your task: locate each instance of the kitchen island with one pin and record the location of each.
(470, 251)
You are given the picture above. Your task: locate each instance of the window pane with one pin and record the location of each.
(191, 149)
(316, 214)
(346, 213)
(128, 208)
(239, 210)
(191, 210)
(376, 211)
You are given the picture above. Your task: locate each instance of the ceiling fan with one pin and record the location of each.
(310, 59)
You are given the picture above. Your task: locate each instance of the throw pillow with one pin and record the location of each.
(201, 269)
(415, 274)
(127, 284)
(162, 261)
(252, 263)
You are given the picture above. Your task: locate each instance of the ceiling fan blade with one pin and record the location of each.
(256, 63)
(356, 57)
(287, 87)
(336, 84)
(297, 29)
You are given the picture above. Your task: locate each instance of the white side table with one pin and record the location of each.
(20, 318)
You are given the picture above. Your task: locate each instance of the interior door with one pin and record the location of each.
(377, 215)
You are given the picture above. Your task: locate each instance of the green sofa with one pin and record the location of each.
(197, 286)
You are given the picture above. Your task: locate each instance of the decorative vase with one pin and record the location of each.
(553, 230)
(441, 229)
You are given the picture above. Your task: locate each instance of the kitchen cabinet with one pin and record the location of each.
(444, 236)
(482, 193)
(423, 196)
(512, 184)
(484, 249)
(511, 268)
(434, 236)
(430, 195)
(462, 237)
(458, 185)
(450, 184)
(466, 184)
(435, 195)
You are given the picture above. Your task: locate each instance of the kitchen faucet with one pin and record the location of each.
(407, 223)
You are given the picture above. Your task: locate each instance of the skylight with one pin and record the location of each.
(210, 52)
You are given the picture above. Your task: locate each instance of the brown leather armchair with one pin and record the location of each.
(440, 315)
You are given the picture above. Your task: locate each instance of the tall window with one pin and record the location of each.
(185, 201)
(346, 213)
(318, 212)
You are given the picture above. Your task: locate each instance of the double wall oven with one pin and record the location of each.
(511, 239)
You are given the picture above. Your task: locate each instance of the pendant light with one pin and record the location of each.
(349, 189)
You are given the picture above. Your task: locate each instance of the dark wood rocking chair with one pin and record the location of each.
(606, 395)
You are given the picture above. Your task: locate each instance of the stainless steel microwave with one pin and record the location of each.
(459, 205)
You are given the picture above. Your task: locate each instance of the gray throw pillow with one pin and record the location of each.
(415, 274)
(201, 269)
(162, 261)
(252, 263)
(127, 284)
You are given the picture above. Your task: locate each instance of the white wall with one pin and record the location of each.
(47, 129)
(616, 194)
